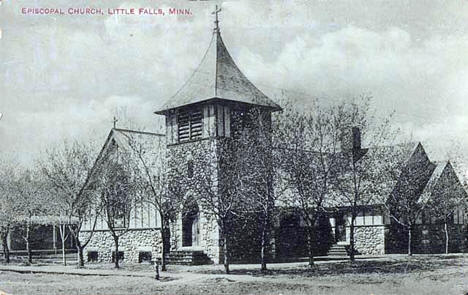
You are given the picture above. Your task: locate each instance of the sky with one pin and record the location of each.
(65, 77)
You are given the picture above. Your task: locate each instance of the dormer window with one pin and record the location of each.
(190, 124)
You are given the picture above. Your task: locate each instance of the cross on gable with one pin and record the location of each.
(216, 12)
(115, 120)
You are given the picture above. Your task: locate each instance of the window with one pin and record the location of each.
(93, 256)
(120, 214)
(190, 125)
(190, 168)
(459, 216)
(144, 256)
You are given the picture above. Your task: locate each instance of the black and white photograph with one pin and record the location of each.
(212, 147)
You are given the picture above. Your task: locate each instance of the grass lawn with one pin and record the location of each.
(441, 274)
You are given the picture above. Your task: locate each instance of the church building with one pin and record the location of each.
(209, 108)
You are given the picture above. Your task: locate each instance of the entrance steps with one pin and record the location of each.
(338, 250)
(188, 257)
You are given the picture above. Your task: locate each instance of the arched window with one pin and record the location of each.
(190, 168)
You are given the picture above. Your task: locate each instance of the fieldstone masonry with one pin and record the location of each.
(370, 240)
(131, 243)
(209, 236)
(178, 156)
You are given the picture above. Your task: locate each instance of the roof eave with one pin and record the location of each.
(165, 111)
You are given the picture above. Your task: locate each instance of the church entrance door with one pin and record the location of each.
(195, 230)
(191, 225)
(340, 228)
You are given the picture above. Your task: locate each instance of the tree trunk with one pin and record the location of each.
(28, 244)
(6, 250)
(80, 256)
(446, 238)
(163, 251)
(80, 250)
(351, 238)
(63, 238)
(263, 248)
(310, 244)
(226, 254)
(64, 257)
(164, 228)
(410, 229)
(79, 246)
(116, 255)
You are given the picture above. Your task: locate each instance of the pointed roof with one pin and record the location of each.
(444, 177)
(151, 142)
(218, 77)
(432, 182)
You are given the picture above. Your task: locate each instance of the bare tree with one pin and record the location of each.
(216, 186)
(445, 197)
(151, 181)
(308, 144)
(7, 206)
(117, 194)
(30, 200)
(360, 178)
(67, 172)
(257, 170)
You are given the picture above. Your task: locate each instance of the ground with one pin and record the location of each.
(398, 274)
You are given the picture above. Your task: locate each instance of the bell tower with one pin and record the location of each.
(211, 106)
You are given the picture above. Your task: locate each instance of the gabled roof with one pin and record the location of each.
(122, 138)
(386, 165)
(148, 140)
(431, 183)
(443, 175)
(218, 77)
(378, 159)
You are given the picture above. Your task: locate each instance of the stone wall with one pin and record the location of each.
(370, 240)
(178, 156)
(131, 243)
(209, 237)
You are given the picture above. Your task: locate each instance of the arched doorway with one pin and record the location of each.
(190, 224)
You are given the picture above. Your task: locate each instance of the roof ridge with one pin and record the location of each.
(138, 131)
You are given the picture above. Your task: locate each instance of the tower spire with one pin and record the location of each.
(217, 77)
(216, 22)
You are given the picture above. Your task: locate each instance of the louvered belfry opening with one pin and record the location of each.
(190, 123)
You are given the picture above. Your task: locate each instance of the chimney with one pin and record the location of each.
(351, 140)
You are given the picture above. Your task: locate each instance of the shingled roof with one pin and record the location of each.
(152, 144)
(218, 77)
(444, 175)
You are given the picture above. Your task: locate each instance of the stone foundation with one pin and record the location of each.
(370, 240)
(131, 243)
